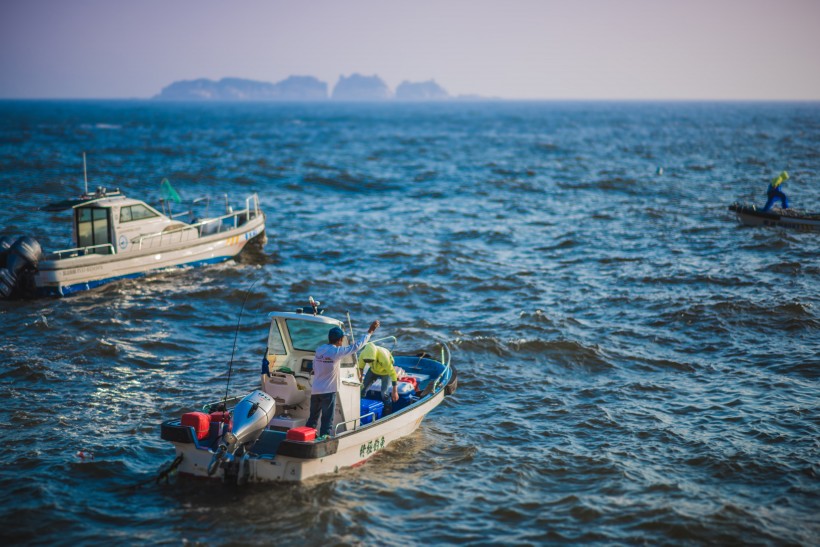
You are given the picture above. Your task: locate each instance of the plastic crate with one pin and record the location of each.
(367, 406)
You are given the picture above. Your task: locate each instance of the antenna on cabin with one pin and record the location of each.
(85, 175)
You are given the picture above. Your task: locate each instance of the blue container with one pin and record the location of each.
(404, 389)
(404, 400)
(367, 406)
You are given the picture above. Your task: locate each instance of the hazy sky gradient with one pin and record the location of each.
(571, 49)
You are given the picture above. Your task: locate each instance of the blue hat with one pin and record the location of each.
(335, 334)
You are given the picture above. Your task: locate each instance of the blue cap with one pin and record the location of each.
(335, 334)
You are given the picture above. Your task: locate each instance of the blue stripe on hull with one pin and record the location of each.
(68, 290)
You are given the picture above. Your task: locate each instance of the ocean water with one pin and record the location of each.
(634, 367)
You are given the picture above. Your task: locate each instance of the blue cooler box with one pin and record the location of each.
(407, 396)
(404, 400)
(367, 406)
(405, 389)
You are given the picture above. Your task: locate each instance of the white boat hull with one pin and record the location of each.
(219, 443)
(349, 449)
(69, 275)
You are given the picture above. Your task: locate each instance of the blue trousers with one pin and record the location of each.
(774, 195)
(387, 385)
(324, 403)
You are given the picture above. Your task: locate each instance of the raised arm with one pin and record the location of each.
(353, 348)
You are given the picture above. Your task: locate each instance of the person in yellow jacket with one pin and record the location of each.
(775, 192)
(381, 368)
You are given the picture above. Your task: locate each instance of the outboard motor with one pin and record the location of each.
(21, 261)
(25, 252)
(250, 418)
(5, 245)
(7, 283)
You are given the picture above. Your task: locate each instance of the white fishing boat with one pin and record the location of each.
(116, 237)
(262, 436)
(790, 219)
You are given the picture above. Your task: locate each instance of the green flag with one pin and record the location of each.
(167, 192)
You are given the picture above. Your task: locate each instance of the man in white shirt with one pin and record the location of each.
(326, 365)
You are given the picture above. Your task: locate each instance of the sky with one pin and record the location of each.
(512, 49)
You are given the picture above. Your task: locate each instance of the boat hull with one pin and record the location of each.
(750, 216)
(297, 461)
(71, 275)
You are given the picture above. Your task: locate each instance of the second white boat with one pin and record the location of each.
(116, 237)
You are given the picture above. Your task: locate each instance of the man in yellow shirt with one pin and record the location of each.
(775, 192)
(381, 368)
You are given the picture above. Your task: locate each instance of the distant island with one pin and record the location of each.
(302, 88)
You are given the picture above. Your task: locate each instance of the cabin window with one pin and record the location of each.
(85, 231)
(307, 335)
(100, 221)
(93, 228)
(275, 344)
(135, 212)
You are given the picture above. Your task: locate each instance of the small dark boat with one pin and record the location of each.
(791, 219)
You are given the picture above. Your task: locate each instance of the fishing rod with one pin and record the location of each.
(236, 335)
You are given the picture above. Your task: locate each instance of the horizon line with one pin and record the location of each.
(465, 99)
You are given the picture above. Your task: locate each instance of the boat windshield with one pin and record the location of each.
(275, 344)
(307, 335)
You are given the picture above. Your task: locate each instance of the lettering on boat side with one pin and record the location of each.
(73, 271)
(370, 447)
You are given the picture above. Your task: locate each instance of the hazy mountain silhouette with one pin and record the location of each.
(294, 88)
(361, 88)
(421, 91)
(355, 87)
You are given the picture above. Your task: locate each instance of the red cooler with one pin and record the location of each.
(303, 434)
(200, 421)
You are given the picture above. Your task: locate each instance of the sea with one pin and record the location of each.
(634, 366)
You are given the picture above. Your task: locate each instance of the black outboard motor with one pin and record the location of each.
(21, 261)
(5, 245)
(7, 283)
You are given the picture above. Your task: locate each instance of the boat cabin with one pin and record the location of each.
(110, 223)
(292, 342)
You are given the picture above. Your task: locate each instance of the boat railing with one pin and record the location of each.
(255, 198)
(336, 429)
(392, 338)
(185, 233)
(445, 362)
(83, 251)
(197, 229)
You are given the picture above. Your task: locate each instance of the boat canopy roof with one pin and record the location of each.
(100, 198)
(304, 317)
